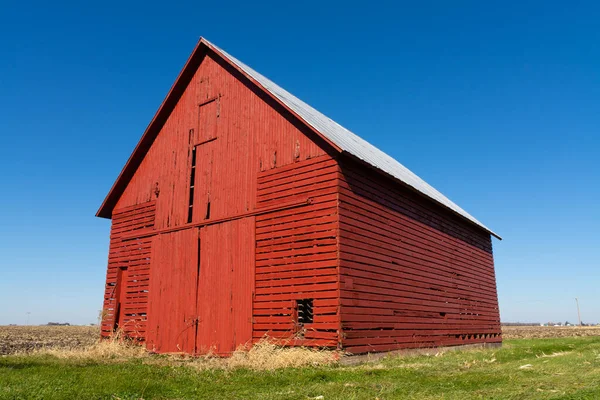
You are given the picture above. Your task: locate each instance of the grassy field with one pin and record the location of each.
(551, 368)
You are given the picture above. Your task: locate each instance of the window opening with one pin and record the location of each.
(304, 309)
(192, 180)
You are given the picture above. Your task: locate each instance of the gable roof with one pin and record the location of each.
(339, 137)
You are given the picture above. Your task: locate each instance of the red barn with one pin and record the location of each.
(244, 212)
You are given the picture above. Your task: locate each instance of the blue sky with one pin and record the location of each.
(496, 105)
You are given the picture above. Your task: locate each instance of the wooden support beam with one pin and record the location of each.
(150, 232)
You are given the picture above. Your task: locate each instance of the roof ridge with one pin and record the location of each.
(347, 140)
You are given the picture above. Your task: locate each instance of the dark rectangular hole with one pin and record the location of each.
(192, 180)
(304, 308)
(207, 210)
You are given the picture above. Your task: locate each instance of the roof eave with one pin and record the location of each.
(418, 192)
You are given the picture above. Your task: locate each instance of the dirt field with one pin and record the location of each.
(539, 332)
(15, 339)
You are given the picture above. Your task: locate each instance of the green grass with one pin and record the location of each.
(572, 373)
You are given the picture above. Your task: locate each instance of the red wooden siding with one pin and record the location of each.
(172, 310)
(412, 274)
(296, 253)
(225, 286)
(239, 218)
(127, 278)
(207, 306)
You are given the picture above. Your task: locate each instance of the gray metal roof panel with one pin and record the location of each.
(349, 142)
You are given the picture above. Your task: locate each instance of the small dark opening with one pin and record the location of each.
(192, 180)
(305, 311)
(207, 210)
(442, 314)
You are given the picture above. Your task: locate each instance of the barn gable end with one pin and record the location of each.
(216, 113)
(226, 159)
(242, 213)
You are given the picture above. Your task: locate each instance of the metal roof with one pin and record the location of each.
(347, 141)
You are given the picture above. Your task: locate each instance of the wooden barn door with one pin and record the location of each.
(173, 289)
(225, 286)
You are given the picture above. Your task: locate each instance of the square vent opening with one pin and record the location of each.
(304, 310)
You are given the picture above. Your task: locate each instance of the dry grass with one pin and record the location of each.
(116, 348)
(541, 332)
(266, 355)
(554, 354)
(82, 343)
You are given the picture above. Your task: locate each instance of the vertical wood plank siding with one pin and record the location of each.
(202, 307)
(225, 286)
(412, 274)
(172, 308)
(131, 255)
(296, 253)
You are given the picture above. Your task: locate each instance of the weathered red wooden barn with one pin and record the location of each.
(244, 212)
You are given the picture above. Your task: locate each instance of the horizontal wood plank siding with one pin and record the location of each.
(132, 255)
(296, 253)
(412, 273)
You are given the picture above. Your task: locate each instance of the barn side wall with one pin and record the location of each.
(412, 273)
(296, 253)
(238, 135)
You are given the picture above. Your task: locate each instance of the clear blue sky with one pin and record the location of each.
(497, 106)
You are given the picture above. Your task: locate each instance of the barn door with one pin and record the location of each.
(225, 286)
(173, 288)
